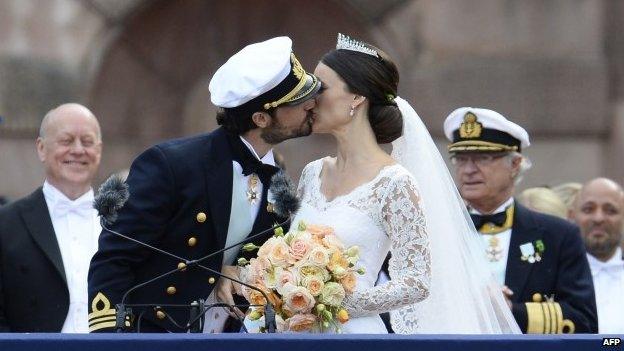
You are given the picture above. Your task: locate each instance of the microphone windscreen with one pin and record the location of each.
(284, 195)
(112, 195)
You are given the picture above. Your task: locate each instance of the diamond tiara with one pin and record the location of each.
(347, 43)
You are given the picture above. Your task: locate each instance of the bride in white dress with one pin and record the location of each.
(405, 203)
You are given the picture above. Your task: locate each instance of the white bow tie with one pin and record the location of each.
(81, 207)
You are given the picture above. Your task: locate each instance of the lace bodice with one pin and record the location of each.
(384, 214)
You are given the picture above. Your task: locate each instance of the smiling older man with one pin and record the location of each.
(538, 259)
(47, 239)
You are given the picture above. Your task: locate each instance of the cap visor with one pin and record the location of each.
(309, 90)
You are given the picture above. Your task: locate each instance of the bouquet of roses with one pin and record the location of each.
(305, 274)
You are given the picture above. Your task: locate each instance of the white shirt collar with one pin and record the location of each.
(53, 195)
(267, 159)
(500, 208)
(597, 265)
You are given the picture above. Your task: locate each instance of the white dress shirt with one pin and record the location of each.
(238, 169)
(609, 286)
(77, 230)
(238, 228)
(499, 267)
(242, 217)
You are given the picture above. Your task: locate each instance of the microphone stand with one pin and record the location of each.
(124, 312)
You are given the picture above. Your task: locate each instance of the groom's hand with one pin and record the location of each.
(507, 293)
(227, 288)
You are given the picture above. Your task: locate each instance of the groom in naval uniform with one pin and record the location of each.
(196, 195)
(538, 259)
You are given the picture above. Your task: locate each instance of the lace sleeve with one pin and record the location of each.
(304, 180)
(410, 264)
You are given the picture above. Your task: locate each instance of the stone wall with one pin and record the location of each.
(556, 67)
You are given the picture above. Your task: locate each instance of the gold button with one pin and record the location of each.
(537, 297)
(201, 217)
(182, 266)
(211, 280)
(160, 314)
(192, 241)
(171, 290)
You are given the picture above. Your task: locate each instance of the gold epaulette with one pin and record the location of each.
(103, 315)
(547, 318)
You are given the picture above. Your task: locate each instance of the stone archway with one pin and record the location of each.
(151, 83)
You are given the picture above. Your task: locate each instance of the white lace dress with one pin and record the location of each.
(381, 215)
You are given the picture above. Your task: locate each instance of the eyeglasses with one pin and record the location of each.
(479, 160)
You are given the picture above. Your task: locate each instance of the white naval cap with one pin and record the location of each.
(262, 76)
(481, 130)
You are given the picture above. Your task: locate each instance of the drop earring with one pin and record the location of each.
(352, 111)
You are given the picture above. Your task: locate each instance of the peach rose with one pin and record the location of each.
(314, 285)
(279, 254)
(255, 297)
(301, 322)
(299, 247)
(284, 289)
(255, 270)
(264, 250)
(319, 230)
(286, 276)
(318, 256)
(298, 300)
(348, 282)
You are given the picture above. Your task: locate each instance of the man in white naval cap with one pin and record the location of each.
(194, 196)
(538, 259)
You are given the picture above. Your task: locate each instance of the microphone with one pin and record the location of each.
(111, 197)
(113, 194)
(283, 195)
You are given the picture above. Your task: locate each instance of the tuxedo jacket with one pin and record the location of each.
(563, 271)
(33, 289)
(180, 200)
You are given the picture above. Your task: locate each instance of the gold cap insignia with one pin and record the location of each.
(298, 70)
(470, 128)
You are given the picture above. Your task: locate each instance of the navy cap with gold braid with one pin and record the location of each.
(482, 130)
(262, 76)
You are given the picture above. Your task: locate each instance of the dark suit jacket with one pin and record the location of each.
(563, 271)
(170, 184)
(33, 288)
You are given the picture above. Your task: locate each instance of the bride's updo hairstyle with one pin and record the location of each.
(375, 78)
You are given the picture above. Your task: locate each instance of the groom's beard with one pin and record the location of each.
(276, 132)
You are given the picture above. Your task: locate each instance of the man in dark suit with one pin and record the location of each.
(538, 259)
(47, 238)
(191, 197)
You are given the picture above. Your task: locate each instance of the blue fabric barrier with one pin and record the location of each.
(292, 342)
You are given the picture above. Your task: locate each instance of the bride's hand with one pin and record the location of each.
(507, 293)
(226, 288)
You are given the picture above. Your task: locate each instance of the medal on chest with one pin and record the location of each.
(494, 252)
(252, 189)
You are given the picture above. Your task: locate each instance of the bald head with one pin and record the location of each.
(50, 120)
(599, 212)
(70, 147)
